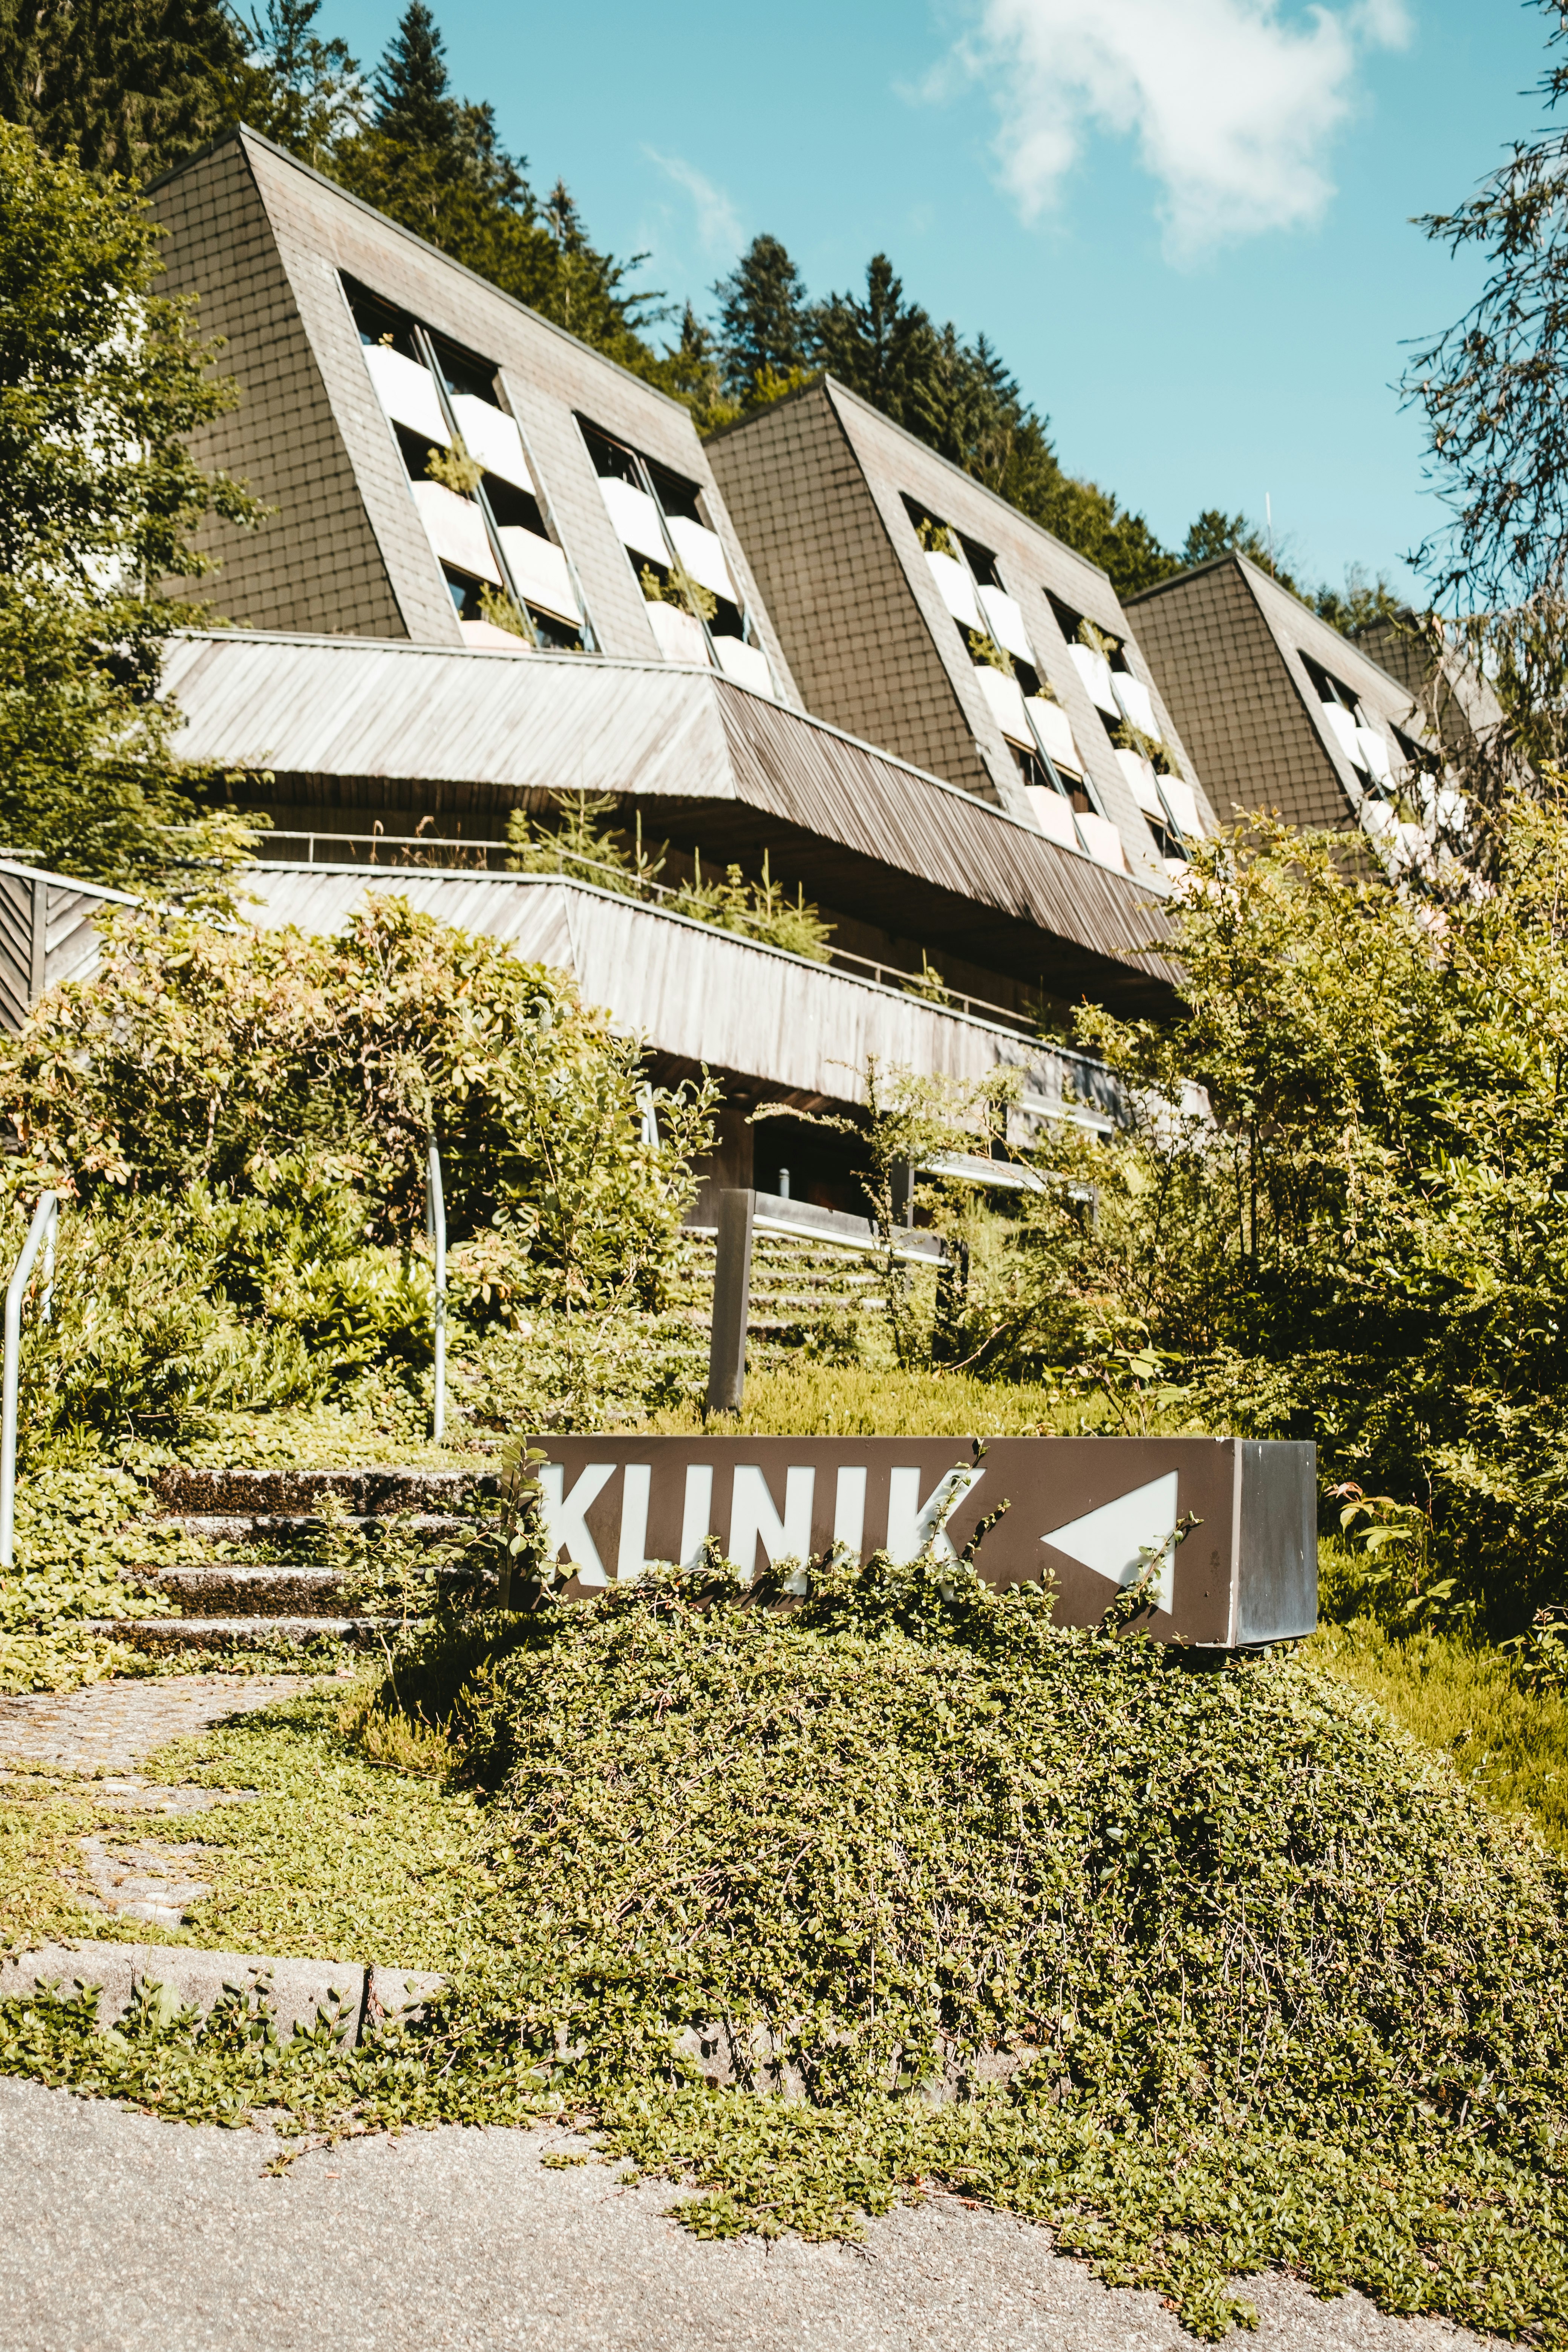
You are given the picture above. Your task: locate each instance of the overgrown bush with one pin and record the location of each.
(239, 1120)
(1361, 1235)
(1212, 1972)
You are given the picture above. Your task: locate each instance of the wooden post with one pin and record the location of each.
(732, 1302)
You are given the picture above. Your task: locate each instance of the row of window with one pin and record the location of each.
(1406, 798)
(1359, 735)
(490, 523)
(1032, 722)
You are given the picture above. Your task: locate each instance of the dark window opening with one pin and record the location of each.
(815, 1164)
(676, 495)
(464, 592)
(415, 451)
(930, 529)
(381, 323)
(981, 562)
(1033, 769)
(1069, 622)
(555, 636)
(612, 459)
(464, 372)
(1328, 688)
(513, 508)
(617, 461)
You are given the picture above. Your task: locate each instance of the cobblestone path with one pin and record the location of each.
(107, 1726)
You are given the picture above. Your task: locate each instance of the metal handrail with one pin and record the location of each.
(886, 975)
(40, 1235)
(436, 1233)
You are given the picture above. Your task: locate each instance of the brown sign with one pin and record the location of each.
(1224, 1527)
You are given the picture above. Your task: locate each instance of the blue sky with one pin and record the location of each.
(1184, 223)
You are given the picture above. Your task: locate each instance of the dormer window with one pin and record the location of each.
(1033, 726)
(694, 608)
(1354, 728)
(469, 472)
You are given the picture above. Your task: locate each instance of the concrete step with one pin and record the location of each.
(223, 1587)
(369, 1493)
(294, 1526)
(354, 1999)
(163, 1636)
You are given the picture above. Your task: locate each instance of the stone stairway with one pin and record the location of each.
(307, 1555)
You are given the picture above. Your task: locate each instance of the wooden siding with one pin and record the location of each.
(46, 934)
(344, 724)
(697, 994)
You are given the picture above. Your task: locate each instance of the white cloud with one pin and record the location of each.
(719, 228)
(1234, 106)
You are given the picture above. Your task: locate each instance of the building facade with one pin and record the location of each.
(920, 611)
(1285, 714)
(500, 569)
(363, 356)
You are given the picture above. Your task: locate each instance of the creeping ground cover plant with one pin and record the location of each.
(810, 1908)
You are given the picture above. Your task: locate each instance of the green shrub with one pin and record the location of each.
(1216, 1973)
(238, 1120)
(1359, 1232)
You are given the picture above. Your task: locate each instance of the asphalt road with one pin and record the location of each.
(119, 2233)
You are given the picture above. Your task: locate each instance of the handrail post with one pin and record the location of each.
(40, 1235)
(436, 1233)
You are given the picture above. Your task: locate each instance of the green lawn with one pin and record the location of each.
(1509, 1744)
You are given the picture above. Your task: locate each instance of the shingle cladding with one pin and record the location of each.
(265, 241)
(817, 485)
(1453, 691)
(319, 560)
(1227, 642)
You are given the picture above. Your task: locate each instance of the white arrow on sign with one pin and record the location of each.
(1123, 1538)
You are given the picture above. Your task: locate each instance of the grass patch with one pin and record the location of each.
(834, 1400)
(1507, 1744)
(348, 1839)
(336, 1855)
(42, 1818)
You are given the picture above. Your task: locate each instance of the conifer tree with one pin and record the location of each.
(762, 316)
(297, 88)
(414, 104)
(436, 162)
(127, 86)
(882, 348)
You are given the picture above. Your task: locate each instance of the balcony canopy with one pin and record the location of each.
(361, 728)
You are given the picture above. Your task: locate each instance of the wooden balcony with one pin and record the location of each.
(699, 996)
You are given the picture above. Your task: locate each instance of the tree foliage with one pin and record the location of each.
(126, 86)
(240, 1118)
(1491, 387)
(164, 79)
(1361, 1234)
(957, 396)
(763, 326)
(100, 381)
(305, 93)
(436, 162)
